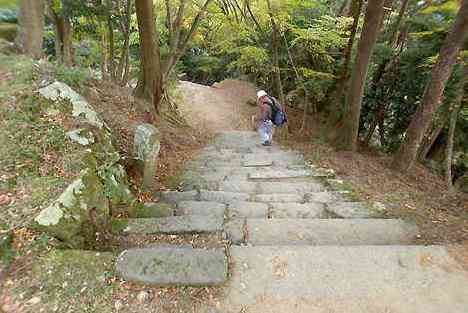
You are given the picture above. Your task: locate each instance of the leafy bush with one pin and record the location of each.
(72, 76)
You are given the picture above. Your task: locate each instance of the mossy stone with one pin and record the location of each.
(152, 209)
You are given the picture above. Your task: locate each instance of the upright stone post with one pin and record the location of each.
(146, 145)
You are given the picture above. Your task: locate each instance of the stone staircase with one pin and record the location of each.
(296, 245)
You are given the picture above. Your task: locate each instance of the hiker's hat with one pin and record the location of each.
(261, 93)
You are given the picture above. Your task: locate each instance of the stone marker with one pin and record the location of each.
(172, 266)
(146, 146)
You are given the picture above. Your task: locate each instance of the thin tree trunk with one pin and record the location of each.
(347, 136)
(103, 50)
(31, 27)
(126, 45)
(179, 49)
(67, 42)
(275, 54)
(432, 96)
(455, 110)
(110, 29)
(399, 22)
(150, 69)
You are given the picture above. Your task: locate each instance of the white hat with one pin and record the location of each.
(261, 93)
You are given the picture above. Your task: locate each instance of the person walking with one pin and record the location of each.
(269, 114)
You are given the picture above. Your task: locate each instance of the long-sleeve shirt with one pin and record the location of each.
(263, 110)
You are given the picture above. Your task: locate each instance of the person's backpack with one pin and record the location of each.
(278, 116)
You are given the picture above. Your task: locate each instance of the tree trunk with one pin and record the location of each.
(103, 49)
(275, 55)
(347, 136)
(63, 35)
(431, 99)
(335, 99)
(110, 30)
(150, 69)
(455, 109)
(67, 42)
(31, 27)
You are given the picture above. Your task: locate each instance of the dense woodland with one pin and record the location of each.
(391, 75)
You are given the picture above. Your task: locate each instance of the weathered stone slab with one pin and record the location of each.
(280, 174)
(68, 218)
(298, 210)
(352, 279)
(201, 208)
(177, 196)
(351, 210)
(152, 209)
(329, 232)
(81, 107)
(285, 187)
(248, 209)
(324, 196)
(223, 196)
(234, 230)
(279, 197)
(257, 163)
(186, 224)
(238, 186)
(173, 266)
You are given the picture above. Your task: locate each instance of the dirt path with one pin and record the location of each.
(222, 106)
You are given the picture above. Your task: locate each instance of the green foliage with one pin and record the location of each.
(251, 59)
(72, 76)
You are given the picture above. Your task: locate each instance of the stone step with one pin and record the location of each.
(279, 197)
(172, 266)
(298, 210)
(280, 174)
(186, 224)
(240, 209)
(223, 196)
(232, 185)
(235, 230)
(352, 279)
(343, 232)
(201, 208)
(353, 210)
(294, 187)
(177, 196)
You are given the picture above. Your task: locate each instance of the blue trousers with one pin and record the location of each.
(265, 130)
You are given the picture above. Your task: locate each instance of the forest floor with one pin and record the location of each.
(418, 196)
